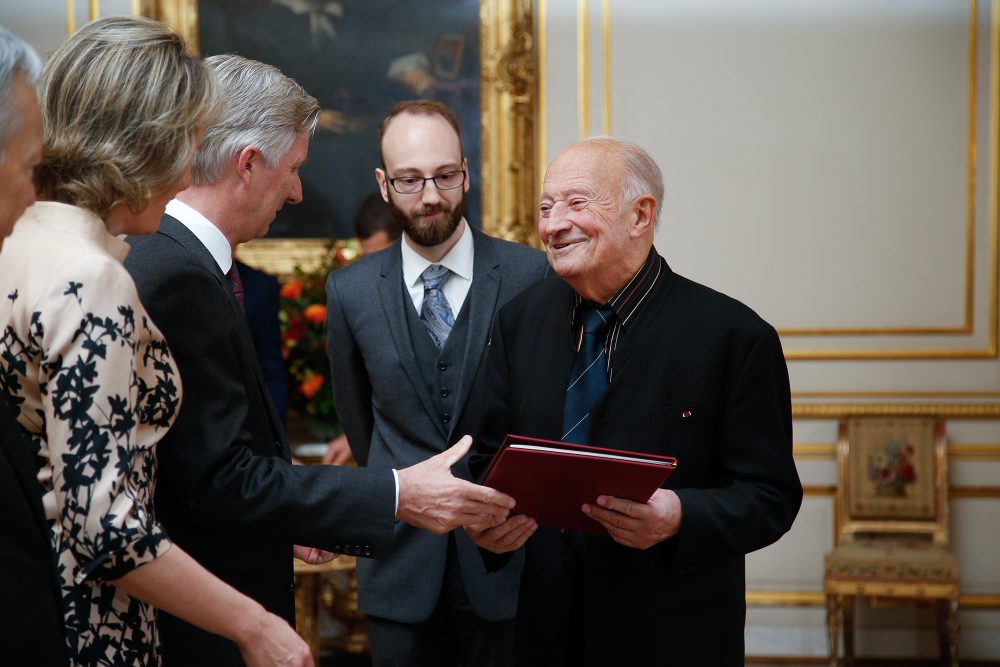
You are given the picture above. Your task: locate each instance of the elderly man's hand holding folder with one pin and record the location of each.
(577, 487)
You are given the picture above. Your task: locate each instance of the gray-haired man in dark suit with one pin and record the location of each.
(32, 628)
(227, 491)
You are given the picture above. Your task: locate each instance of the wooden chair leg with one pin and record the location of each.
(847, 610)
(947, 617)
(831, 629)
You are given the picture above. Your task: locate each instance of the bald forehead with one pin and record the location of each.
(581, 163)
(412, 131)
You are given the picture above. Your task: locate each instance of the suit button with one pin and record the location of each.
(445, 393)
(442, 366)
(445, 418)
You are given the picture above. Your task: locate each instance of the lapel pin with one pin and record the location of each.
(685, 414)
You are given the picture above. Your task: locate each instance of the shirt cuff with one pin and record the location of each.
(395, 507)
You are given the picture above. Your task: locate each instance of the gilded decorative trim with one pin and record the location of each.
(509, 66)
(542, 108)
(974, 452)
(993, 272)
(70, 17)
(944, 410)
(818, 599)
(970, 393)
(94, 10)
(508, 184)
(813, 452)
(956, 452)
(867, 354)
(970, 221)
(829, 491)
(606, 50)
(583, 66)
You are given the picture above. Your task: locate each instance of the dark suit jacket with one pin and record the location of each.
(390, 420)
(687, 350)
(32, 630)
(226, 491)
(261, 300)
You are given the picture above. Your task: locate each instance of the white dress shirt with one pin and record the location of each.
(209, 235)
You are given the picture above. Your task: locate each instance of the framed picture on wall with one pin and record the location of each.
(360, 57)
(892, 472)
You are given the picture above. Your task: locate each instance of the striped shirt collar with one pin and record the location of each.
(627, 301)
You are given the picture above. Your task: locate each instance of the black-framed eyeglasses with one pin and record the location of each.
(411, 185)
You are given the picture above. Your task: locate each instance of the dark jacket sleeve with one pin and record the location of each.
(218, 471)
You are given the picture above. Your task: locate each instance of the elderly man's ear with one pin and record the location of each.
(641, 215)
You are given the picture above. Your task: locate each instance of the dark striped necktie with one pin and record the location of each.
(589, 376)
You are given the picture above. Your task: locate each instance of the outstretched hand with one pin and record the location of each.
(430, 497)
(509, 535)
(312, 555)
(638, 525)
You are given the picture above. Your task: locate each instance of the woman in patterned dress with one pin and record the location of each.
(87, 371)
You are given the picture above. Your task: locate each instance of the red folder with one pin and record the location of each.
(551, 480)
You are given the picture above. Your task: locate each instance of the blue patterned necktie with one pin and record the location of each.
(589, 376)
(435, 312)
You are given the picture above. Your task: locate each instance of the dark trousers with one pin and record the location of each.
(453, 635)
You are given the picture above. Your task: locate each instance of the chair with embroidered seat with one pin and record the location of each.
(891, 527)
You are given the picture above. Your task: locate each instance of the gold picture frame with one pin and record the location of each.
(508, 81)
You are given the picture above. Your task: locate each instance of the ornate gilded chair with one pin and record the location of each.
(891, 527)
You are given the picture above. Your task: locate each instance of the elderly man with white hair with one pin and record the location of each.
(32, 628)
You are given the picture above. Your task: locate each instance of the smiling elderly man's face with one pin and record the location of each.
(581, 222)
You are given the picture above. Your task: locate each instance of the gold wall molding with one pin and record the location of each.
(765, 598)
(508, 184)
(583, 66)
(966, 393)
(970, 219)
(990, 350)
(943, 410)
(606, 53)
(956, 452)
(542, 92)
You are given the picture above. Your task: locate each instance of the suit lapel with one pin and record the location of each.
(482, 301)
(392, 298)
(171, 227)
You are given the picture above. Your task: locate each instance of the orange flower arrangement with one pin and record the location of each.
(303, 336)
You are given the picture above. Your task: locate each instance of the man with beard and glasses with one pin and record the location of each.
(408, 329)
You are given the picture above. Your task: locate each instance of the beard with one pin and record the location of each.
(428, 233)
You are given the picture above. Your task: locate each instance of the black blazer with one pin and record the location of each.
(698, 376)
(32, 631)
(226, 490)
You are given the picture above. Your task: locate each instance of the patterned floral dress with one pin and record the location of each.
(95, 388)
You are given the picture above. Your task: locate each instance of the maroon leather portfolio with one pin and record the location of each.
(551, 480)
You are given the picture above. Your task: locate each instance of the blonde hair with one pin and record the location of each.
(263, 108)
(122, 102)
